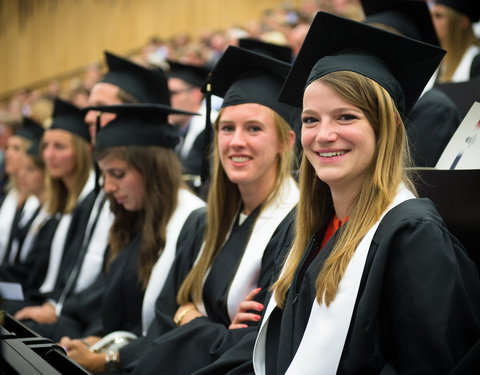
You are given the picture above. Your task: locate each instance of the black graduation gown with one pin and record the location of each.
(123, 297)
(75, 233)
(418, 305)
(204, 339)
(430, 126)
(31, 272)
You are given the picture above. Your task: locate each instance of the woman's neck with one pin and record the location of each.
(253, 196)
(342, 201)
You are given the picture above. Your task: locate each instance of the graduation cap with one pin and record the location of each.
(145, 85)
(399, 64)
(283, 53)
(411, 18)
(243, 76)
(138, 124)
(30, 129)
(470, 8)
(68, 117)
(193, 74)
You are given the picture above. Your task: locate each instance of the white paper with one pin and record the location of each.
(11, 291)
(463, 150)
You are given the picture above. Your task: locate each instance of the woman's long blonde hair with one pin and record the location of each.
(59, 198)
(223, 200)
(161, 171)
(383, 178)
(458, 40)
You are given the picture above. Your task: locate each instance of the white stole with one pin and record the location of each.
(7, 214)
(32, 233)
(248, 272)
(97, 244)
(324, 338)
(462, 73)
(187, 202)
(29, 208)
(58, 243)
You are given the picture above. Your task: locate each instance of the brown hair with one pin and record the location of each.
(162, 174)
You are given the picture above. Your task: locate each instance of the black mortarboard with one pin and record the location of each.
(138, 124)
(145, 85)
(193, 74)
(30, 129)
(68, 117)
(470, 8)
(399, 64)
(283, 53)
(243, 76)
(411, 18)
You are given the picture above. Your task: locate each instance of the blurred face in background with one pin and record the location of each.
(59, 153)
(31, 177)
(14, 152)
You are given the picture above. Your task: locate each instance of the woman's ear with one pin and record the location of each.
(291, 141)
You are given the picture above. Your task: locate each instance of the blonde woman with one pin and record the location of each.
(453, 22)
(374, 283)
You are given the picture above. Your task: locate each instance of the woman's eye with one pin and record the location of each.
(226, 128)
(347, 117)
(254, 128)
(308, 120)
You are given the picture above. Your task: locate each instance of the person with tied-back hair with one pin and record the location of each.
(375, 283)
(143, 181)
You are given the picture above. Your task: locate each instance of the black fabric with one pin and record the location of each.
(475, 67)
(418, 307)
(70, 118)
(31, 130)
(205, 339)
(123, 297)
(194, 75)
(215, 290)
(145, 85)
(411, 18)
(469, 8)
(31, 273)
(277, 51)
(430, 126)
(138, 125)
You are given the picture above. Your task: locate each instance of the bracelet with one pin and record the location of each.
(111, 360)
(179, 317)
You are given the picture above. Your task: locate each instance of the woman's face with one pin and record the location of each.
(14, 154)
(248, 144)
(59, 153)
(125, 183)
(337, 138)
(440, 21)
(31, 178)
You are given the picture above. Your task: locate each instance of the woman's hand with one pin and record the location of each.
(41, 314)
(243, 315)
(80, 353)
(185, 314)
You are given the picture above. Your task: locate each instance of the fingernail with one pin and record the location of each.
(260, 307)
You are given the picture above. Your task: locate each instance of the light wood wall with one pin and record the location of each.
(44, 39)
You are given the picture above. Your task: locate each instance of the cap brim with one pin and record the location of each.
(139, 108)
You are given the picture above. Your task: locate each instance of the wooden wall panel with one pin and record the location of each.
(42, 39)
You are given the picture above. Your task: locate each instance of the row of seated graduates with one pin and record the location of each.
(71, 267)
